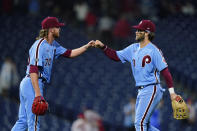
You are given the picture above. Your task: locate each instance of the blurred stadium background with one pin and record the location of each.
(93, 79)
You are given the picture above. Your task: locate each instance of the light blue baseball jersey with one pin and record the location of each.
(42, 54)
(146, 62)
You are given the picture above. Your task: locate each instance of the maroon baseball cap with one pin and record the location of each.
(51, 22)
(146, 25)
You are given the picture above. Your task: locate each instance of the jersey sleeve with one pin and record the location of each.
(59, 50)
(159, 60)
(125, 54)
(36, 54)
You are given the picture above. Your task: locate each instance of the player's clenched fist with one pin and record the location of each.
(98, 44)
(39, 106)
(90, 44)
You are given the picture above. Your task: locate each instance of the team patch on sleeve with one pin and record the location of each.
(163, 59)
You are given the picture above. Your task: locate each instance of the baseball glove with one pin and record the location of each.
(180, 109)
(39, 106)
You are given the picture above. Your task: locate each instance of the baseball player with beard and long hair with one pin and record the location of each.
(146, 62)
(41, 55)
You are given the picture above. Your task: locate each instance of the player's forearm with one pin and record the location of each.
(78, 51)
(168, 78)
(34, 80)
(110, 53)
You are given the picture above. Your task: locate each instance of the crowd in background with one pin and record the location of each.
(88, 120)
(9, 78)
(98, 8)
(108, 20)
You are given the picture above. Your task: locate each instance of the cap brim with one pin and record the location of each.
(137, 27)
(61, 24)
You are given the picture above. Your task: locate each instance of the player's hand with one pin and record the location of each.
(98, 44)
(38, 94)
(90, 44)
(173, 96)
(180, 109)
(39, 106)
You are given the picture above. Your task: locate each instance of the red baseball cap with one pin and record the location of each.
(51, 22)
(146, 25)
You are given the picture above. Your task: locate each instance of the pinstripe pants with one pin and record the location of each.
(26, 119)
(147, 100)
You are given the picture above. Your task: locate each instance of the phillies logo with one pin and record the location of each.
(146, 59)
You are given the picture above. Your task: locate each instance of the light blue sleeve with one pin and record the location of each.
(36, 55)
(59, 50)
(159, 60)
(125, 54)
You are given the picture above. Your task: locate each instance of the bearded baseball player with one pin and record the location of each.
(41, 55)
(146, 62)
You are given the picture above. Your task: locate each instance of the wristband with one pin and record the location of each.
(104, 47)
(171, 90)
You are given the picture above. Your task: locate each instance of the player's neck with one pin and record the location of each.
(50, 39)
(144, 43)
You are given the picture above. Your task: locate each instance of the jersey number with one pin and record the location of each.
(133, 62)
(47, 62)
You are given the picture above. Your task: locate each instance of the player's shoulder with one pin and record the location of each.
(154, 47)
(133, 46)
(38, 43)
(55, 43)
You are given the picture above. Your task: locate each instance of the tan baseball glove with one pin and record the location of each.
(180, 109)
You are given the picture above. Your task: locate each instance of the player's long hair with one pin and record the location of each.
(151, 36)
(42, 34)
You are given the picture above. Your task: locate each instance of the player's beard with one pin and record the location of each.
(56, 35)
(141, 37)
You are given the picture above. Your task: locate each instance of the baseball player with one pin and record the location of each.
(146, 62)
(41, 55)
